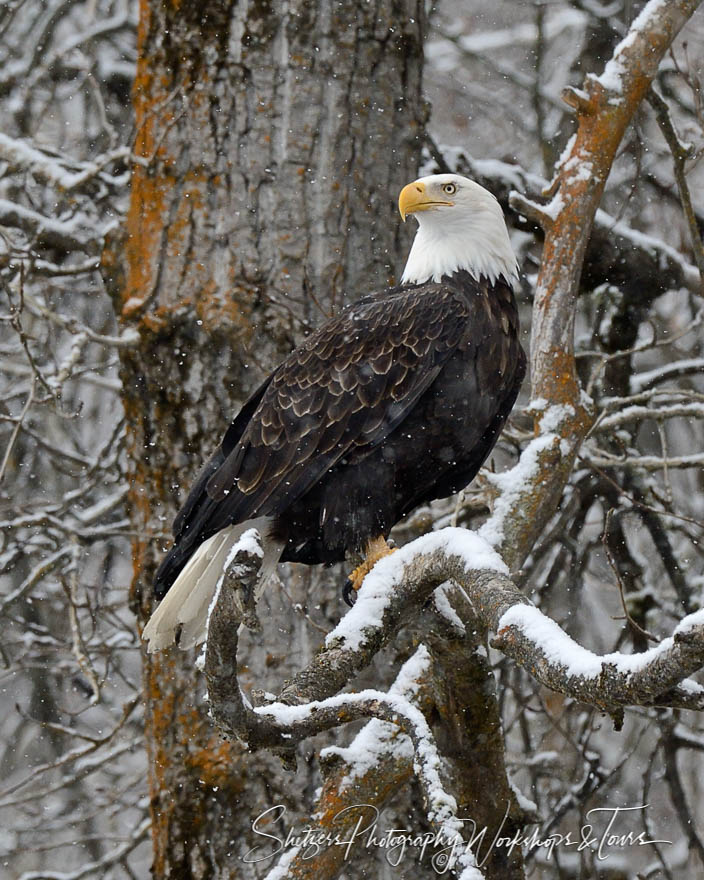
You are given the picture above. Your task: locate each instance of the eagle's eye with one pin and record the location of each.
(449, 188)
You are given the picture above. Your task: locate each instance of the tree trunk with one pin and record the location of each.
(273, 141)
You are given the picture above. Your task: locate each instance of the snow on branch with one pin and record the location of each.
(655, 20)
(70, 235)
(311, 703)
(408, 737)
(631, 414)
(683, 367)
(389, 575)
(641, 257)
(379, 738)
(53, 170)
(657, 677)
(602, 460)
(604, 112)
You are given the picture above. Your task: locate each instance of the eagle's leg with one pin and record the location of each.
(374, 550)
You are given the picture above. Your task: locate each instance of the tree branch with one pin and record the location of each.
(680, 153)
(612, 681)
(524, 633)
(64, 235)
(611, 101)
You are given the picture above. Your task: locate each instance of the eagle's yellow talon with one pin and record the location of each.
(375, 550)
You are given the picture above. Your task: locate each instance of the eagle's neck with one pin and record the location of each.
(443, 246)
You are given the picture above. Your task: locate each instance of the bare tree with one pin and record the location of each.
(535, 634)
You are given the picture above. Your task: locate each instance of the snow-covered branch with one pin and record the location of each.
(642, 462)
(396, 591)
(368, 771)
(637, 413)
(21, 156)
(607, 106)
(685, 367)
(658, 677)
(65, 235)
(396, 587)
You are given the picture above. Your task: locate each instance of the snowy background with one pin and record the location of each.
(73, 792)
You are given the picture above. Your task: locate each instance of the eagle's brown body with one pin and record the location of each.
(395, 402)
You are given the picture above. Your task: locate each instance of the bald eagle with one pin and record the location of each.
(395, 402)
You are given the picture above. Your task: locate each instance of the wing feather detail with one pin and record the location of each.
(346, 388)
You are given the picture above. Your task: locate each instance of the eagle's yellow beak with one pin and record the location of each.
(414, 198)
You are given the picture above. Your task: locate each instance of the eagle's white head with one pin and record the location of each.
(460, 226)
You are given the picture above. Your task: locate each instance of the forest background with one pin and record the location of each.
(184, 193)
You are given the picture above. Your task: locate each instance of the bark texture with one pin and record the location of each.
(272, 138)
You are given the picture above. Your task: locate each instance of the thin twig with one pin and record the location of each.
(16, 430)
(680, 153)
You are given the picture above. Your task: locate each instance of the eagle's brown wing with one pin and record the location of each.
(337, 396)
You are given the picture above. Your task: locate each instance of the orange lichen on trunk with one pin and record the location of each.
(146, 209)
(348, 808)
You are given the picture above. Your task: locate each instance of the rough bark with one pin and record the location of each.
(272, 139)
(468, 730)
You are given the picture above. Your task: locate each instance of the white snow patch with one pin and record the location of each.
(612, 77)
(249, 542)
(524, 802)
(495, 168)
(547, 758)
(510, 484)
(554, 206)
(444, 607)
(537, 404)
(200, 659)
(580, 169)
(690, 622)
(565, 154)
(692, 687)
(134, 302)
(554, 416)
(559, 649)
(281, 870)
(552, 421)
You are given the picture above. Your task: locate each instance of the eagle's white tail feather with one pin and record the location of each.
(185, 606)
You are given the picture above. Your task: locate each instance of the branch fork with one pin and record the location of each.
(311, 702)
